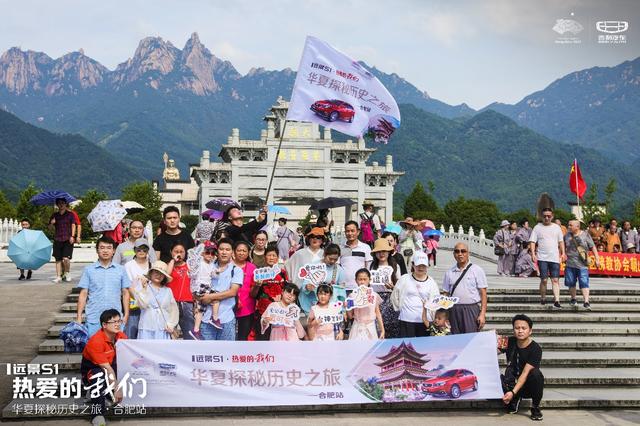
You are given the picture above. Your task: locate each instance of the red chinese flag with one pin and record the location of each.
(577, 185)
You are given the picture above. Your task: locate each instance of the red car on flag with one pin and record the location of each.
(452, 383)
(333, 110)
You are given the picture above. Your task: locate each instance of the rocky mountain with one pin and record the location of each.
(52, 161)
(161, 99)
(597, 108)
(490, 156)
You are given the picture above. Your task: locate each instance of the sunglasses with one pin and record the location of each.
(458, 251)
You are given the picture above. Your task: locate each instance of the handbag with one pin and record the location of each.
(499, 250)
(581, 250)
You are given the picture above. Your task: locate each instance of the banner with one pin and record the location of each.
(336, 91)
(189, 373)
(617, 264)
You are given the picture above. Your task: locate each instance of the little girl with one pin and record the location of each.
(335, 278)
(159, 310)
(287, 301)
(319, 330)
(200, 285)
(364, 319)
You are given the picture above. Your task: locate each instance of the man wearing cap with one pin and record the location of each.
(354, 254)
(63, 221)
(504, 242)
(468, 283)
(369, 218)
(547, 248)
(104, 285)
(125, 251)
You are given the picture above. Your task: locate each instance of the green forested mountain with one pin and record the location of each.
(52, 161)
(489, 156)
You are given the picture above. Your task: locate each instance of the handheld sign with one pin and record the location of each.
(281, 315)
(332, 314)
(380, 277)
(266, 273)
(315, 273)
(440, 302)
(361, 297)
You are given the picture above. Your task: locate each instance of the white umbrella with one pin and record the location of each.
(106, 215)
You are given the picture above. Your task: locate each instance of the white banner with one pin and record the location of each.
(336, 91)
(191, 373)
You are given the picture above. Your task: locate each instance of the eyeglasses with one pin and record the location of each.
(458, 251)
(547, 216)
(136, 227)
(114, 322)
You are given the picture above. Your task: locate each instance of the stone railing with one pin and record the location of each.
(8, 228)
(479, 246)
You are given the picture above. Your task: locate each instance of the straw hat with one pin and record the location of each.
(381, 244)
(161, 267)
(409, 221)
(366, 203)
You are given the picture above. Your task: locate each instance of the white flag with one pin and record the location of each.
(335, 91)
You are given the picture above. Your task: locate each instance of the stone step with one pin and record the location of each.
(557, 316)
(570, 329)
(559, 397)
(566, 308)
(535, 299)
(564, 376)
(595, 292)
(65, 317)
(589, 343)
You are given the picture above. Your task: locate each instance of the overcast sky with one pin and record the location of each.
(473, 51)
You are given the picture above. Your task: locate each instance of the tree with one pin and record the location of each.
(89, 200)
(591, 206)
(636, 213)
(145, 194)
(420, 205)
(520, 215)
(6, 208)
(564, 215)
(609, 190)
(481, 214)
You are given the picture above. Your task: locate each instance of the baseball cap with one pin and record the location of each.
(141, 242)
(420, 258)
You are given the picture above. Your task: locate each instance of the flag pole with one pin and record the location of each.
(575, 167)
(275, 162)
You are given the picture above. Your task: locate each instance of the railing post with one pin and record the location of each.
(481, 235)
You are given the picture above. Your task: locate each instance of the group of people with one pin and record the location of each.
(210, 291)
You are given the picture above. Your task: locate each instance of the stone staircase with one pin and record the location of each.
(591, 359)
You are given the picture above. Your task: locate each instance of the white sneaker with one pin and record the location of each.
(57, 280)
(67, 279)
(99, 421)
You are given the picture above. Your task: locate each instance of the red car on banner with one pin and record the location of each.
(452, 383)
(333, 110)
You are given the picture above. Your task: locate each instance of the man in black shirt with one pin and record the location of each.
(173, 235)
(522, 377)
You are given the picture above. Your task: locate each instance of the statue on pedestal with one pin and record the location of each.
(170, 172)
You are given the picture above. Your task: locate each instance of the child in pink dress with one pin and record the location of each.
(317, 329)
(287, 302)
(364, 319)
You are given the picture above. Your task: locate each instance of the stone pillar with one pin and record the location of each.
(235, 136)
(389, 163)
(204, 160)
(388, 207)
(271, 130)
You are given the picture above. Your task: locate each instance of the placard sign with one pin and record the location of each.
(440, 302)
(281, 315)
(314, 273)
(332, 314)
(361, 297)
(266, 273)
(380, 277)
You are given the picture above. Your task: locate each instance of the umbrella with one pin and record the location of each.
(432, 232)
(393, 227)
(106, 215)
(222, 204)
(29, 249)
(132, 207)
(214, 214)
(50, 197)
(74, 336)
(278, 209)
(330, 203)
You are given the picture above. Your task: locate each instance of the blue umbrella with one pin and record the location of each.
(29, 249)
(74, 336)
(278, 209)
(393, 227)
(432, 232)
(50, 197)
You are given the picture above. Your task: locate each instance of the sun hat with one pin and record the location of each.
(504, 223)
(381, 244)
(161, 267)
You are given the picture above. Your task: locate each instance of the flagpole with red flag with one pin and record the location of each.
(577, 185)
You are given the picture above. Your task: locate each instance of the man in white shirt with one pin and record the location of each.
(354, 254)
(546, 244)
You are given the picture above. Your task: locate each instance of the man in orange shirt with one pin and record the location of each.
(98, 366)
(611, 238)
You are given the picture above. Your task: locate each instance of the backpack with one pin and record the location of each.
(366, 229)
